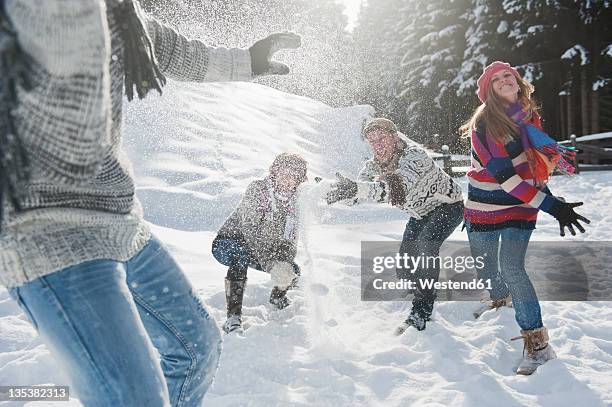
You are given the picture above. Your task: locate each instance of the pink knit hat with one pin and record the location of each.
(487, 74)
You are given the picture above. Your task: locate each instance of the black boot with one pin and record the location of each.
(234, 293)
(417, 320)
(422, 309)
(278, 298)
(422, 305)
(414, 319)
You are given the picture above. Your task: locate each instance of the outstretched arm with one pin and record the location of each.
(350, 192)
(392, 189)
(192, 60)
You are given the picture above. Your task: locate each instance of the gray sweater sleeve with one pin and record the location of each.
(192, 60)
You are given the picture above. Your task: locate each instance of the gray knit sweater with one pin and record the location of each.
(80, 202)
(267, 225)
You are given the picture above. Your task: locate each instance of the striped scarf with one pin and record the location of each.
(544, 154)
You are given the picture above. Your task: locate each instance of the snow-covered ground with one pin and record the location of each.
(194, 152)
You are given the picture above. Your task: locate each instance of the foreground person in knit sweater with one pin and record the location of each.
(512, 159)
(402, 174)
(105, 296)
(261, 233)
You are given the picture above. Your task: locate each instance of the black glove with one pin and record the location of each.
(283, 251)
(567, 218)
(262, 51)
(343, 189)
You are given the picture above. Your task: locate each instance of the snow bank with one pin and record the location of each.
(196, 148)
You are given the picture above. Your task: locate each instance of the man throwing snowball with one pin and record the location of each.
(402, 174)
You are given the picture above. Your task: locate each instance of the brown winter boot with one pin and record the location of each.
(489, 304)
(503, 302)
(536, 350)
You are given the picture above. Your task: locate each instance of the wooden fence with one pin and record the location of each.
(454, 165)
(600, 152)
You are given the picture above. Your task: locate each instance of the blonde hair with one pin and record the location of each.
(493, 114)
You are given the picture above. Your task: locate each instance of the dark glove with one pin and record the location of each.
(343, 189)
(284, 251)
(567, 218)
(263, 50)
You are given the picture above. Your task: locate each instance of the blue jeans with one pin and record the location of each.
(504, 264)
(424, 237)
(235, 254)
(105, 322)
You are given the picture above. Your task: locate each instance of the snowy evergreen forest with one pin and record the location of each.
(417, 61)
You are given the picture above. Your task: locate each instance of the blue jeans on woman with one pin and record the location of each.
(504, 252)
(106, 321)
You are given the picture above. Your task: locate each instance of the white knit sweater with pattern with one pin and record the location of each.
(414, 182)
(80, 203)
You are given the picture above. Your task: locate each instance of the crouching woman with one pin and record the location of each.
(262, 233)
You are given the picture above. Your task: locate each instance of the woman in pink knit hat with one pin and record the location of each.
(512, 159)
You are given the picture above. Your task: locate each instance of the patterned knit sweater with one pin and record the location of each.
(80, 202)
(412, 182)
(501, 191)
(267, 225)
